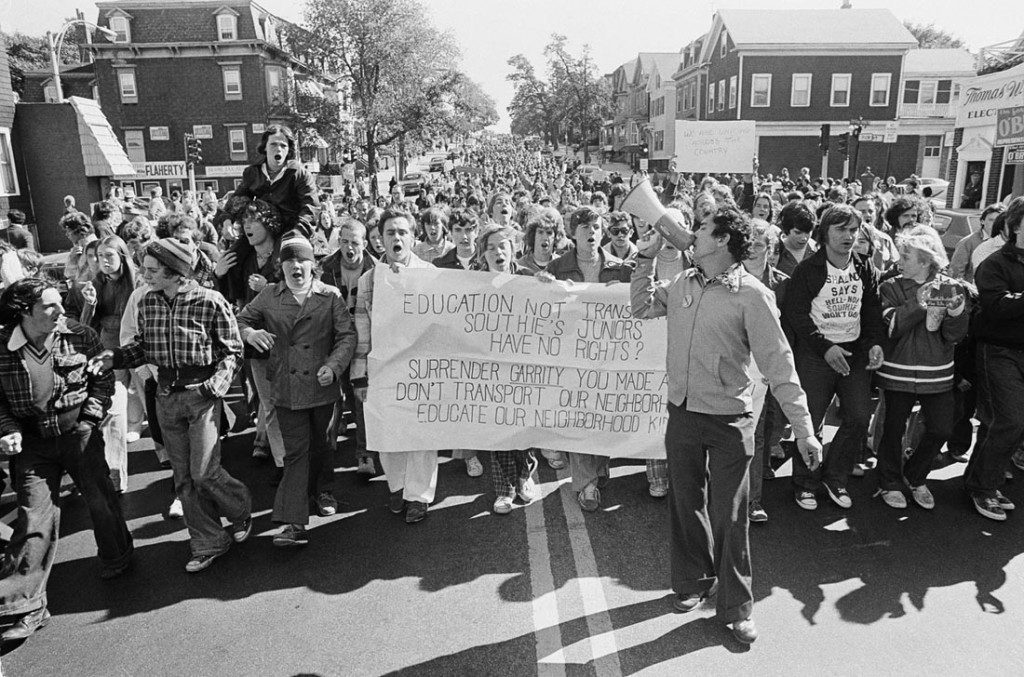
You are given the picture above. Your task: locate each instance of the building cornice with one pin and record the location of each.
(820, 50)
(225, 49)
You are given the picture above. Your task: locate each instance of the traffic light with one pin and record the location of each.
(844, 143)
(826, 130)
(194, 149)
(643, 150)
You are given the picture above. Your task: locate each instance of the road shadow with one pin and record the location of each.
(896, 554)
(692, 634)
(460, 542)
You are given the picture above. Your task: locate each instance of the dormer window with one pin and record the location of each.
(725, 45)
(227, 24)
(227, 27)
(120, 25)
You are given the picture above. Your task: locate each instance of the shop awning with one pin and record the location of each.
(101, 149)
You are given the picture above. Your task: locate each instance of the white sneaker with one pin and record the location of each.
(474, 468)
(893, 498)
(527, 490)
(175, 512)
(658, 488)
(503, 505)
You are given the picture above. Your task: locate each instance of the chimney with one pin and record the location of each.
(846, 5)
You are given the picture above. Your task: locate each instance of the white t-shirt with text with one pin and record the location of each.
(836, 308)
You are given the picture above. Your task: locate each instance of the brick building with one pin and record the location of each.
(793, 70)
(219, 69)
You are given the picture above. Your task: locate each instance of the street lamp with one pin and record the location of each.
(57, 42)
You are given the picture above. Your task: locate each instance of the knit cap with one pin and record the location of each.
(177, 255)
(294, 245)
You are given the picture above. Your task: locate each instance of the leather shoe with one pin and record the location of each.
(745, 630)
(692, 600)
(416, 512)
(27, 625)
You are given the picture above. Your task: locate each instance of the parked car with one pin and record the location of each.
(52, 266)
(413, 182)
(587, 170)
(954, 225)
(929, 187)
(437, 164)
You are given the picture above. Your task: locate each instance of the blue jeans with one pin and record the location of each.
(37, 472)
(191, 428)
(822, 383)
(1000, 394)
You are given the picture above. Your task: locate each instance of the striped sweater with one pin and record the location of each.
(916, 360)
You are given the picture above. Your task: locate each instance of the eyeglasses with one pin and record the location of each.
(618, 230)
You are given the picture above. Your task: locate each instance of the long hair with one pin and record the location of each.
(129, 273)
(489, 231)
(545, 218)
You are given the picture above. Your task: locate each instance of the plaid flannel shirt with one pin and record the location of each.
(72, 385)
(194, 329)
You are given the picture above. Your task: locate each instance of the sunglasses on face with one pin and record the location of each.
(618, 230)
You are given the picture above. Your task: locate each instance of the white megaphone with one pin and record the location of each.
(642, 203)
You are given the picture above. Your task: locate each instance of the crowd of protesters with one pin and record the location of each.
(180, 316)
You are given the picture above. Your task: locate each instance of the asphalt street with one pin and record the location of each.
(543, 591)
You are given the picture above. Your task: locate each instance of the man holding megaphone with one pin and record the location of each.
(718, 315)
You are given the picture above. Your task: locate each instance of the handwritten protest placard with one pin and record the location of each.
(478, 360)
(703, 146)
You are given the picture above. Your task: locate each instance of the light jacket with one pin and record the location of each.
(567, 267)
(713, 328)
(318, 333)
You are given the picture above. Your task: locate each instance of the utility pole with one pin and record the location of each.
(826, 130)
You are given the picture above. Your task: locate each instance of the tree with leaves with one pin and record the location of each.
(533, 108)
(402, 69)
(930, 37)
(577, 85)
(32, 53)
(573, 95)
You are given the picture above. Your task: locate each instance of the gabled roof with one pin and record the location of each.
(851, 28)
(625, 71)
(101, 151)
(664, 65)
(950, 62)
(645, 62)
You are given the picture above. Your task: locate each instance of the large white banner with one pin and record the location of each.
(712, 147)
(476, 360)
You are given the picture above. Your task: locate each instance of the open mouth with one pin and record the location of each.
(545, 245)
(397, 249)
(591, 240)
(350, 255)
(499, 261)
